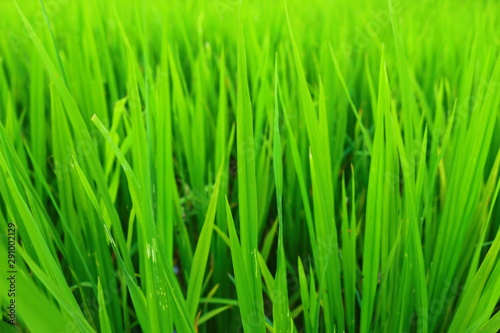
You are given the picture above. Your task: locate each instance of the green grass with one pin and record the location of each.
(256, 166)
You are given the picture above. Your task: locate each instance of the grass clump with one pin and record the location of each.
(267, 166)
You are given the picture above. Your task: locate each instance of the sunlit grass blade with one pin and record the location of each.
(202, 251)
(247, 195)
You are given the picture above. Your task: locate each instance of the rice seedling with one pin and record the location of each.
(250, 166)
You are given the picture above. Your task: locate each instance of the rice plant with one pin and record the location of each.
(250, 166)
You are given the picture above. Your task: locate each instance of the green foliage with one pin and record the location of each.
(256, 166)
